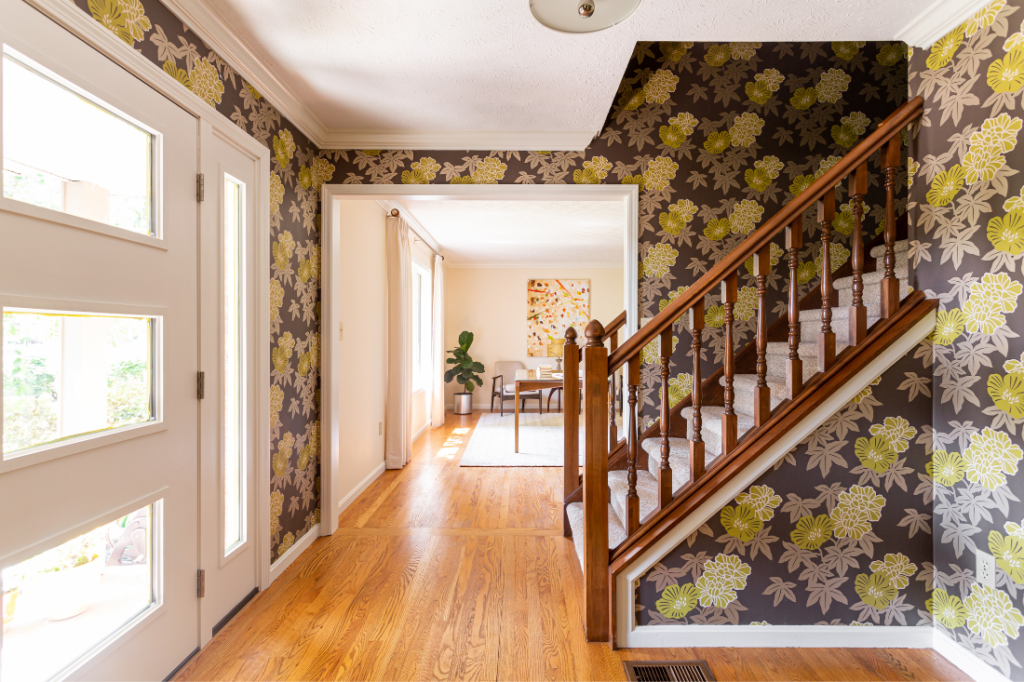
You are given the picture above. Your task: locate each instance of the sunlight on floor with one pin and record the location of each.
(451, 446)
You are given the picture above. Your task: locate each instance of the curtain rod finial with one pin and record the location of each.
(394, 213)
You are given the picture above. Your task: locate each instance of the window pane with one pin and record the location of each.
(69, 374)
(67, 153)
(234, 358)
(60, 604)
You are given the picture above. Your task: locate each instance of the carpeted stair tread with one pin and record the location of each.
(646, 490)
(743, 398)
(616, 532)
(874, 278)
(900, 246)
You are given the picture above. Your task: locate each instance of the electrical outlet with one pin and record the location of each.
(380, 428)
(985, 570)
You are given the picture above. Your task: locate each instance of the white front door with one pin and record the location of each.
(99, 297)
(229, 266)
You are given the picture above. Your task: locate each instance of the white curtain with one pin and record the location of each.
(398, 412)
(437, 345)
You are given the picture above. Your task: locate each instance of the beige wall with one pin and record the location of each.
(362, 276)
(421, 255)
(491, 303)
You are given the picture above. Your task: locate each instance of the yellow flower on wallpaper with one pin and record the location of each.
(651, 353)
(659, 86)
(281, 355)
(1006, 233)
(714, 317)
(112, 18)
(135, 20)
(677, 601)
(897, 568)
(874, 590)
(276, 404)
(771, 165)
(856, 510)
(948, 468)
(1007, 393)
(286, 543)
(678, 388)
(997, 136)
(276, 507)
(717, 55)
(775, 253)
(283, 455)
(718, 229)
(320, 172)
(743, 51)
(947, 609)
(674, 51)
(722, 576)
(276, 299)
(757, 179)
(206, 82)
(812, 532)
(1009, 554)
(838, 255)
(660, 258)
(890, 54)
(1007, 74)
(805, 272)
(630, 99)
(990, 298)
(991, 614)
(284, 147)
(741, 522)
(660, 172)
(762, 500)
(746, 303)
(678, 129)
(943, 51)
(678, 217)
(844, 222)
(758, 92)
(804, 98)
(875, 454)
(276, 192)
(593, 172)
(945, 185)
(990, 456)
(832, 84)
(896, 431)
(844, 136)
(983, 18)
(800, 183)
(283, 250)
(1014, 366)
(847, 50)
(422, 171)
(745, 216)
(180, 75)
(745, 129)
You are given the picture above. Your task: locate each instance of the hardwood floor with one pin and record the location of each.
(440, 572)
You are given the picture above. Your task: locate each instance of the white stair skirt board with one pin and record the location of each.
(631, 635)
(300, 546)
(965, 660)
(784, 636)
(541, 441)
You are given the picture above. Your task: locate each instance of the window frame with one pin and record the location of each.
(97, 439)
(37, 65)
(421, 380)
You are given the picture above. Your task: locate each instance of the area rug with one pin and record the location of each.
(541, 442)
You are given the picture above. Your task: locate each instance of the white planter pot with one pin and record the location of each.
(463, 403)
(65, 594)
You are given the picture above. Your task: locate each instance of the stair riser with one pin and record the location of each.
(809, 331)
(873, 278)
(875, 291)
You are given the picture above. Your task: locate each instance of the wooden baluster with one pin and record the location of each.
(696, 442)
(858, 313)
(596, 592)
(762, 394)
(795, 368)
(729, 292)
(665, 471)
(826, 337)
(890, 285)
(613, 429)
(633, 447)
(571, 421)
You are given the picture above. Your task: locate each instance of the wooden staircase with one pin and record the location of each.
(635, 491)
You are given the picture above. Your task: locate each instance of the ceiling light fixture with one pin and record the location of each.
(582, 16)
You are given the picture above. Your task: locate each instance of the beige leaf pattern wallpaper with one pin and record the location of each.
(718, 136)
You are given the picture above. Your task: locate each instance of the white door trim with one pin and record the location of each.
(331, 495)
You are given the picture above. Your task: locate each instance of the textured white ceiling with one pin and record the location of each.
(400, 66)
(516, 233)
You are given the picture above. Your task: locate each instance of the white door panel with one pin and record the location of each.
(51, 263)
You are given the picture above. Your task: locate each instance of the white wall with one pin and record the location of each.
(362, 277)
(491, 303)
(421, 399)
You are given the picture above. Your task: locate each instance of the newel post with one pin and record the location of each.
(595, 484)
(571, 390)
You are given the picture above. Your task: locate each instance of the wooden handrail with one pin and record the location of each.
(763, 235)
(615, 325)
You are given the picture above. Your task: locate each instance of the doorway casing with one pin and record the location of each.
(331, 494)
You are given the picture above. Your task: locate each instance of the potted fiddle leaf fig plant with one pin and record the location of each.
(464, 371)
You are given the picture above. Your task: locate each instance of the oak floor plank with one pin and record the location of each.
(442, 572)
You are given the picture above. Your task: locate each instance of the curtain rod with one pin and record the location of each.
(395, 214)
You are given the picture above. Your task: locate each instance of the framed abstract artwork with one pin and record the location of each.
(552, 306)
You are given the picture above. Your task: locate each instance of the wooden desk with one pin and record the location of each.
(531, 384)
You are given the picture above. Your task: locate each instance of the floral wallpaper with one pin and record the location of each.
(839, 532)
(717, 136)
(967, 215)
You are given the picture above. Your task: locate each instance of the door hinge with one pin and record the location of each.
(200, 583)
(200, 385)
(200, 187)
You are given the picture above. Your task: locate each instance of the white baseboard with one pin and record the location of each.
(344, 502)
(965, 660)
(422, 430)
(781, 636)
(300, 546)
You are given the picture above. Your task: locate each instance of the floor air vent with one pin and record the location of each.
(668, 671)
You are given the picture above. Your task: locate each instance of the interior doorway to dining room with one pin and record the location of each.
(480, 282)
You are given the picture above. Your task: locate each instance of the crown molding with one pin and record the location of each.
(938, 19)
(535, 265)
(212, 29)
